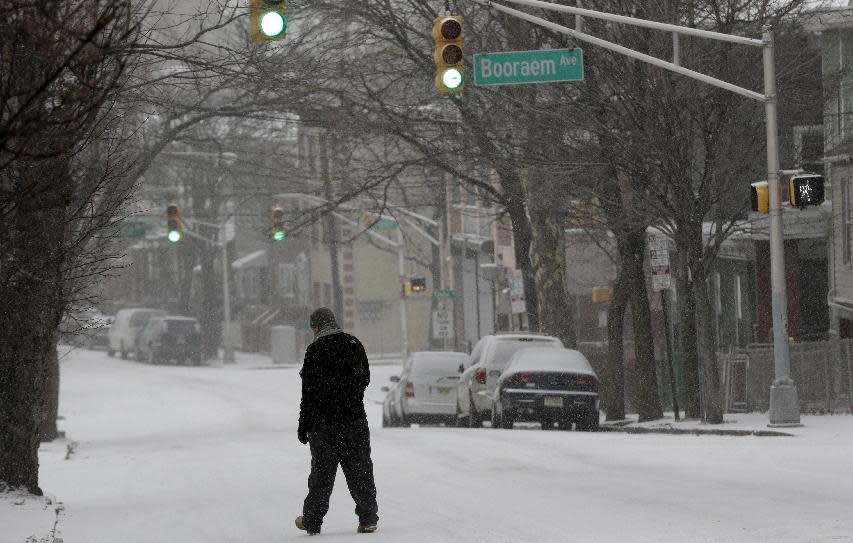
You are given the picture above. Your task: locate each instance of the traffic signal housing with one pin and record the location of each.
(267, 20)
(805, 190)
(174, 223)
(278, 232)
(449, 63)
(760, 197)
(418, 284)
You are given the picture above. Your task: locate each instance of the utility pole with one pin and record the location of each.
(330, 224)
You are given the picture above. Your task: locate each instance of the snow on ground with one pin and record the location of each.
(210, 454)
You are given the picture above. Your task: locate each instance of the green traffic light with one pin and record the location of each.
(278, 235)
(452, 78)
(174, 236)
(273, 24)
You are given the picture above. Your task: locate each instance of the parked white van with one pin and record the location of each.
(126, 328)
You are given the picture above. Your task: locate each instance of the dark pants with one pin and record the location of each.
(348, 445)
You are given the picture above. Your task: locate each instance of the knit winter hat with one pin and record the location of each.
(322, 318)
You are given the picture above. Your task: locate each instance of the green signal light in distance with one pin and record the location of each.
(278, 236)
(272, 24)
(174, 236)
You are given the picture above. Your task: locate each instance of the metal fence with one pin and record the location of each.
(821, 370)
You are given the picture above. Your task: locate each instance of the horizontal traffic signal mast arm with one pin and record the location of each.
(604, 44)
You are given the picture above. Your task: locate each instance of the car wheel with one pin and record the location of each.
(565, 425)
(475, 420)
(590, 424)
(123, 351)
(111, 353)
(461, 421)
(196, 358)
(507, 419)
(153, 358)
(404, 422)
(547, 423)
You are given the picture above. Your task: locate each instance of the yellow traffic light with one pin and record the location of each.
(418, 284)
(174, 223)
(267, 20)
(449, 63)
(278, 232)
(760, 197)
(805, 190)
(407, 288)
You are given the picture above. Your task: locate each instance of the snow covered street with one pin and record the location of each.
(210, 454)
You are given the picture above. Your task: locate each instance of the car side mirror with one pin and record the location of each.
(461, 368)
(395, 378)
(385, 389)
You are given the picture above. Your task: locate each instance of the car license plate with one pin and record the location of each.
(553, 401)
(443, 390)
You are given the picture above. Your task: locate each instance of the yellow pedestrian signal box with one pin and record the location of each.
(449, 63)
(267, 20)
(600, 294)
(760, 197)
(805, 190)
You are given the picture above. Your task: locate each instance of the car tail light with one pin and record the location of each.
(585, 380)
(522, 378)
(480, 376)
(410, 390)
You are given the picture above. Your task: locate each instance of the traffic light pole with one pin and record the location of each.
(784, 403)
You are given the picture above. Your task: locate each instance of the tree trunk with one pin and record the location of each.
(646, 393)
(614, 378)
(711, 390)
(48, 430)
(522, 239)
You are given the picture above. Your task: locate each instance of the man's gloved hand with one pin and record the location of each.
(303, 435)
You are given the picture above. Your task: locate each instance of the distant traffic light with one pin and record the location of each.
(267, 20)
(805, 190)
(278, 232)
(760, 197)
(449, 62)
(174, 223)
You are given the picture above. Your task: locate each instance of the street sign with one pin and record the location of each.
(444, 293)
(524, 67)
(129, 229)
(442, 324)
(516, 293)
(659, 259)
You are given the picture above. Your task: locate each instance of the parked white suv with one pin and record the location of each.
(126, 328)
(474, 393)
(425, 391)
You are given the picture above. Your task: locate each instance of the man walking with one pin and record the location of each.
(332, 419)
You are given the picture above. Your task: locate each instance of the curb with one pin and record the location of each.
(695, 432)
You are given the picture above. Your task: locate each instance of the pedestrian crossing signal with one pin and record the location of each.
(805, 190)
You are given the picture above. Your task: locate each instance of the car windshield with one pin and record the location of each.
(447, 364)
(181, 326)
(505, 348)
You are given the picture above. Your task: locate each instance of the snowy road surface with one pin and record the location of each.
(181, 454)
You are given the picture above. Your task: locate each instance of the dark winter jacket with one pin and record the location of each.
(334, 376)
